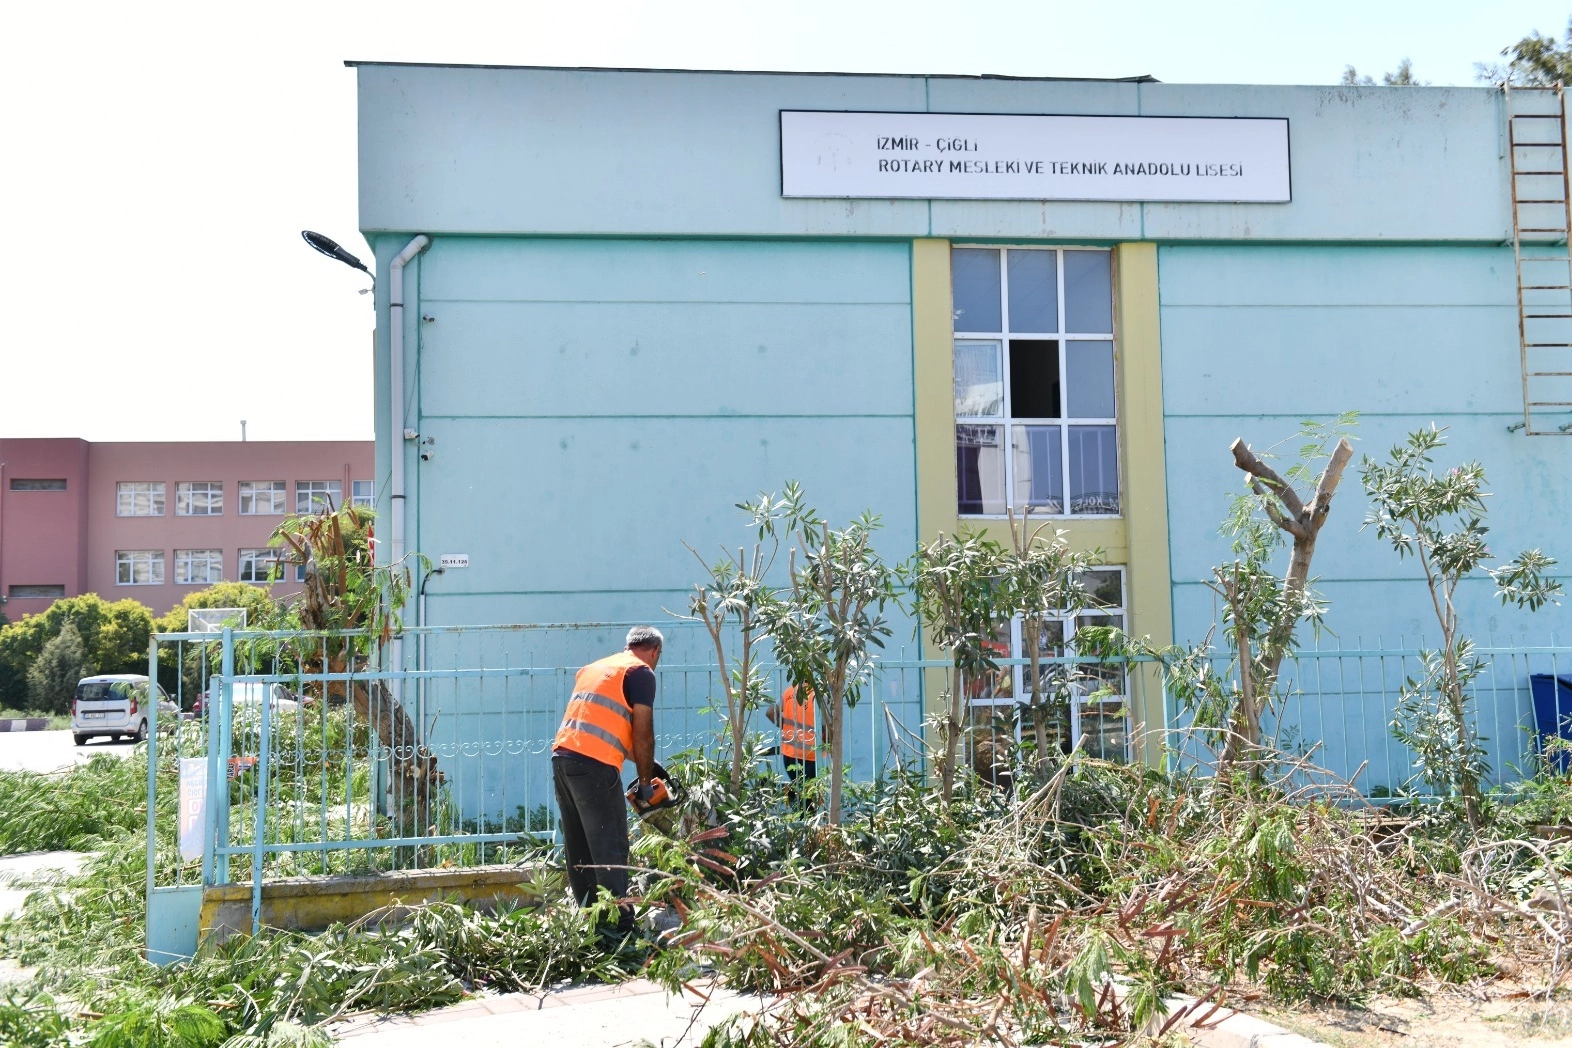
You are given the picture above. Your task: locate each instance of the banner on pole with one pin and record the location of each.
(193, 807)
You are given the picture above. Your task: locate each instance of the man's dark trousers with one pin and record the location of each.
(594, 829)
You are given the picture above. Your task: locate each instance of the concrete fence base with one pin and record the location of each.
(314, 903)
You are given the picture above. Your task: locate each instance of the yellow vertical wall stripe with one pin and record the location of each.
(1139, 540)
(1148, 582)
(934, 380)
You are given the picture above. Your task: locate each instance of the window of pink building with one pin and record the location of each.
(139, 567)
(259, 565)
(261, 498)
(139, 498)
(199, 498)
(199, 567)
(318, 496)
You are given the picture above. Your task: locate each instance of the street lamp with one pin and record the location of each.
(329, 247)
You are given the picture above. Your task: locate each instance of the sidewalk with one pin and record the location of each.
(25, 868)
(626, 1014)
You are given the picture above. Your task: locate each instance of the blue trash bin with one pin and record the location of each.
(1553, 713)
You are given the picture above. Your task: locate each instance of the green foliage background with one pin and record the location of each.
(51, 680)
(114, 634)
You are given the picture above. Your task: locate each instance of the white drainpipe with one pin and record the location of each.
(401, 432)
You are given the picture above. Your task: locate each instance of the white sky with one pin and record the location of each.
(160, 158)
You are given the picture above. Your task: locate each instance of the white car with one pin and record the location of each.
(116, 705)
(250, 695)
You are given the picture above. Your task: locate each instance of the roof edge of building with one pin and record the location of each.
(1143, 78)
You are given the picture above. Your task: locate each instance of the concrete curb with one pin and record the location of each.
(1207, 1027)
(29, 724)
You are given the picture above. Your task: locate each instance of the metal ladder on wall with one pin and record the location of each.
(1536, 120)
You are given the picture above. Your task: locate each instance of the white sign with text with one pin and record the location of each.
(974, 156)
(193, 807)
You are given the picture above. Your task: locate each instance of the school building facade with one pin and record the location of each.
(612, 304)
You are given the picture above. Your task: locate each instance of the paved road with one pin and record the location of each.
(50, 750)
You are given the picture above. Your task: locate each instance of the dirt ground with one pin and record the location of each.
(1445, 1020)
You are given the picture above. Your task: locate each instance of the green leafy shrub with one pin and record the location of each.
(51, 679)
(31, 1021)
(162, 1023)
(115, 636)
(260, 607)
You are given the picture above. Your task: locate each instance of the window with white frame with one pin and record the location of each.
(259, 565)
(139, 567)
(137, 498)
(262, 498)
(199, 498)
(318, 496)
(363, 493)
(1087, 699)
(199, 567)
(1036, 426)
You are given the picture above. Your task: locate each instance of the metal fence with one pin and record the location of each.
(295, 755)
(1337, 706)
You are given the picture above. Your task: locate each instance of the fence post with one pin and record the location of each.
(219, 776)
(152, 760)
(210, 818)
(264, 761)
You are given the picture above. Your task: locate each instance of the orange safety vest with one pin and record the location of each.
(797, 737)
(598, 723)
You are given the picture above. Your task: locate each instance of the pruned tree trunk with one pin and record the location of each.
(1261, 646)
(1244, 728)
(953, 730)
(834, 718)
(411, 763)
(1032, 633)
(1302, 521)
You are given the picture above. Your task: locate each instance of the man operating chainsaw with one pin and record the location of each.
(610, 719)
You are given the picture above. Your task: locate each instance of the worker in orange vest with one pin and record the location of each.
(796, 716)
(609, 720)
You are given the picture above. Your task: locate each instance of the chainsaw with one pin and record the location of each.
(658, 804)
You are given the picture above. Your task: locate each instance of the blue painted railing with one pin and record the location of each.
(314, 782)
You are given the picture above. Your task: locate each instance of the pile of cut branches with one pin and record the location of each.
(1072, 913)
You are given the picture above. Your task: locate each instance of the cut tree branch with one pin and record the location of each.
(1246, 460)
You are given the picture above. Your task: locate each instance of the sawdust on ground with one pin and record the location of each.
(1442, 1020)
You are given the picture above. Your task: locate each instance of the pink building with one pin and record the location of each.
(157, 521)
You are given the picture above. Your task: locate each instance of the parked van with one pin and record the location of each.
(115, 705)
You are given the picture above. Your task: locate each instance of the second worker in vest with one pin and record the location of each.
(610, 720)
(794, 714)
